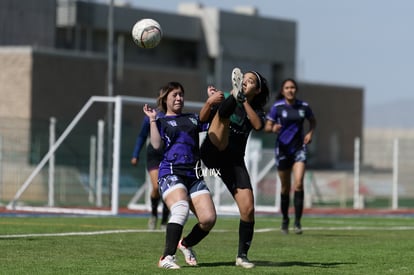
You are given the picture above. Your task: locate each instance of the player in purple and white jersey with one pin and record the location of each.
(180, 178)
(286, 119)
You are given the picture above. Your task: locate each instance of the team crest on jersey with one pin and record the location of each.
(173, 123)
(284, 113)
(193, 120)
(302, 113)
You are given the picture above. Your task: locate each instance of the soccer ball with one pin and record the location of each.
(147, 33)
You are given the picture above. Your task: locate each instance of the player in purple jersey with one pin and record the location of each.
(180, 178)
(286, 119)
(224, 146)
(154, 158)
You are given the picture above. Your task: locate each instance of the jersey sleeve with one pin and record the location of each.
(142, 137)
(272, 115)
(309, 113)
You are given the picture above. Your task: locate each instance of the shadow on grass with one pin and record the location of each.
(216, 264)
(298, 263)
(280, 264)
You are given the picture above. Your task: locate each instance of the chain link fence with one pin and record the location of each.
(387, 162)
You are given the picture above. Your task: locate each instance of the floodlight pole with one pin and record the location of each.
(110, 90)
(110, 47)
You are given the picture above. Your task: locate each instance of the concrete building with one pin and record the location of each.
(54, 57)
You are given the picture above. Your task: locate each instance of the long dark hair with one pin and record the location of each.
(165, 90)
(260, 100)
(280, 95)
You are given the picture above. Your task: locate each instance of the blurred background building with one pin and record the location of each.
(54, 57)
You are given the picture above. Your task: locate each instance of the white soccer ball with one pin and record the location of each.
(147, 33)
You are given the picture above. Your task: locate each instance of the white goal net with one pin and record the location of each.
(85, 171)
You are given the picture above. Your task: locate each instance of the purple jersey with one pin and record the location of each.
(142, 138)
(291, 117)
(180, 135)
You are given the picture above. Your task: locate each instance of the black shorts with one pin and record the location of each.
(154, 158)
(286, 161)
(231, 167)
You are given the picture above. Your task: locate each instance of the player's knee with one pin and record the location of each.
(208, 223)
(179, 212)
(247, 213)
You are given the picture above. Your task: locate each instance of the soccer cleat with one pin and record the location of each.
(244, 262)
(168, 262)
(237, 82)
(285, 226)
(189, 255)
(298, 228)
(152, 222)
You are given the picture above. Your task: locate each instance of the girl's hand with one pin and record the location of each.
(211, 90)
(149, 112)
(216, 98)
(134, 161)
(308, 138)
(276, 128)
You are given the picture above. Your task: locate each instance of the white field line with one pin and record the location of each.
(263, 230)
(88, 233)
(344, 228)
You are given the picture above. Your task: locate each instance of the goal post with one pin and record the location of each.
(13, 204)
(81, 195)
(118, 101)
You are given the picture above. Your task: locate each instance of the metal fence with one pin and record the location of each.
(383, 177)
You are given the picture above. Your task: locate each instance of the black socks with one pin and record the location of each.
(154, 206)
(227, 107)
(195, 236)
(174, 231)
(284, 205)
(246, 230)
(298, 201)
